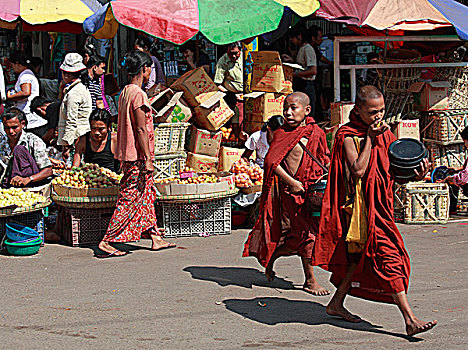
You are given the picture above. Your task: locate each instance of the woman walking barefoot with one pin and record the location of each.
(135, 212)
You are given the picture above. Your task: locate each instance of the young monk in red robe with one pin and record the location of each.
(285, 226)
(358, 239)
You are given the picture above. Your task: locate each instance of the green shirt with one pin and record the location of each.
(230, 74)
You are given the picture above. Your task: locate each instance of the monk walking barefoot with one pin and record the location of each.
(285, 225)
(358, 240)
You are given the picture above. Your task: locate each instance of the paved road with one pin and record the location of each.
(203, 295)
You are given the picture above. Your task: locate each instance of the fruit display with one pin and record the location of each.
(202, 179)
(243, 180)
(245, 171)
(228, 136)
(19, 197)
(88, 176)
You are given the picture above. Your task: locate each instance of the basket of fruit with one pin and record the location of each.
(169, 137)
(248, 177)
(14, 201)
(90, 180)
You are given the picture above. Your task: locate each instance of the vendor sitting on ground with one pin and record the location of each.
(459, 179)
(98, 146)
(22, 153)
(259, 141)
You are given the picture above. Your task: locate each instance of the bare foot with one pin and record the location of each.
(159, 244)
(270, 274)
(52, 237)
(418, 326)
(107, 248)
(342, 312)
(315, 289)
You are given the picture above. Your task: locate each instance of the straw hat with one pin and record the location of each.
(72, 63)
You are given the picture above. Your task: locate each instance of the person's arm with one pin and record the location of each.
(247, 153)
(310, 71)
(48, 136)
(142, 137)
(358, 162)
(21, 95)
(295, 185)
(19, 181)
(325, 60)
(113, 143)
(80, 149)
(71, 121)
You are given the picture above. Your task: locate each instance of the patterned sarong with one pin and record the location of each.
(135, 212)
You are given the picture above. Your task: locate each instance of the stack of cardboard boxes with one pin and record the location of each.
(210, 113)
(271, 83)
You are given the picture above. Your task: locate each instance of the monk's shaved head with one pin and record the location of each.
(367, 93)
(301, 97)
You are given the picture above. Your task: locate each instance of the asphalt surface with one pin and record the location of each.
(203, 295)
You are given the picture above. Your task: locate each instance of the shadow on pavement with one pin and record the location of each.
(272, 311)
(237, 276)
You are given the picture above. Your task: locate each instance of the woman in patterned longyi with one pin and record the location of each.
(135, 211)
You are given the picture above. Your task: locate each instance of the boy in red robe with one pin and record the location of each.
(363, 248)
(285, 226)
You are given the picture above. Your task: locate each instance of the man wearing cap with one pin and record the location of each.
(76, 105)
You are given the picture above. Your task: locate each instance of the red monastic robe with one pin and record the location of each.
(277, 200)
(384, 266)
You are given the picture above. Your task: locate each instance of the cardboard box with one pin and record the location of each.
(213, 112)
(205, 142)
(68, 191)
(339, 112)
(407, 129)
(169, 107)
(195, 84)
(330, 135)
(265, 105)
(270, 74)
(431, 95)
(227, 156)
(252, 189)
(202, 163)
(251, 127)
(226, 183)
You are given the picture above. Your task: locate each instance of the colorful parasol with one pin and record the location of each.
(51, 15)
(221, 21)
(398, 14)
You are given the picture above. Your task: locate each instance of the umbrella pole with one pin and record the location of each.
(385, 62)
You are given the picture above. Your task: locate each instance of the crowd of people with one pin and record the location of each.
(354, 237)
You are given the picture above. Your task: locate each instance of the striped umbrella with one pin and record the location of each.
(221, 21)
(47, 15)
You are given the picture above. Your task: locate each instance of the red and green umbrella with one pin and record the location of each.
(221, 21)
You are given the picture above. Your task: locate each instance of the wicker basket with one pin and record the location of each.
(444, 126)
(397, 80)
(425, 203)
(169, 165)
(169, 137)
(85, 202)
(453, 155)
(458, 79)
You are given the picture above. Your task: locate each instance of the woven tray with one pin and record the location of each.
(85, 202)
(198, 197)
(6, 212)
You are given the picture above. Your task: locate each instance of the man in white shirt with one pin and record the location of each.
(306, 57)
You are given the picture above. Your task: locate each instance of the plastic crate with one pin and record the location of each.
(449, 155)
(444, 126)
(34, 220)
(169, 137)
(84, 227)
(169, 165)
(196, 219)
